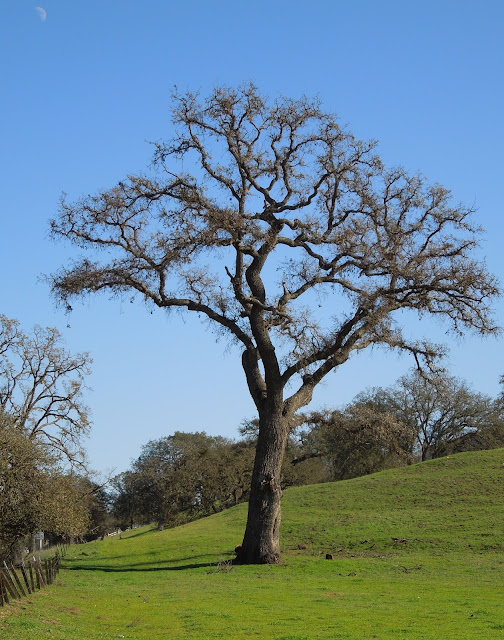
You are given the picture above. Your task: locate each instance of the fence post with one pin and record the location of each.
(10, 587)
(37, 574)
(47, 567)
(41, 571)
(32, 582)
(25, 576)
(22, 592)
(2, 591)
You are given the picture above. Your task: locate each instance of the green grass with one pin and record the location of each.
(417, 554)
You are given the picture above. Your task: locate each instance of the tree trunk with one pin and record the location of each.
(261, 542)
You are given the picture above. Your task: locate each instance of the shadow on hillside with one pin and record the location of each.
(123, 569)
(126, 534)
(142, 566)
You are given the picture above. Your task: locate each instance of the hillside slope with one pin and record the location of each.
(452, 503)
(416, 555)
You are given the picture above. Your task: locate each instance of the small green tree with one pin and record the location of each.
(66, 507)
(21, 484)
(35, 494)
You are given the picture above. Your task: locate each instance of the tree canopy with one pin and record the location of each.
(274, 223)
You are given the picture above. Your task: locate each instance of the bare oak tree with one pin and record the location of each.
(292, 238)
(41, 387)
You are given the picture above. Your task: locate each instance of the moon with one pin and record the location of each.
(41, 12)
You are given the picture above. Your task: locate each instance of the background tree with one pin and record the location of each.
(355, 441)
(125, 502)
(284, 208)
(441, 411)
(488, 436)
(41, 388)
(226, 470)
(96, 501)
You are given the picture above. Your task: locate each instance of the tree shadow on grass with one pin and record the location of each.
(106, 569)
(126, 534)
(143, 566)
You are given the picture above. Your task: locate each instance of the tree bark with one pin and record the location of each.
(261, 542)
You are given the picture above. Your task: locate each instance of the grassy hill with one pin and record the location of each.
(417, 554)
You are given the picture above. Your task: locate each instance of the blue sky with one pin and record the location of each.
(83, 92)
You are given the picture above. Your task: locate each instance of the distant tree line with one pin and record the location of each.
(185, 476)
(44, 485)
(416, 419)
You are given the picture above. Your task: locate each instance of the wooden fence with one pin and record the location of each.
(18, 582)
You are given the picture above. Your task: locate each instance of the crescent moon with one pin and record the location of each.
(41, 12)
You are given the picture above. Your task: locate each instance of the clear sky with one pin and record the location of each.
(84, 87)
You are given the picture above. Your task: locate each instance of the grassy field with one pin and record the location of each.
(418, 553)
